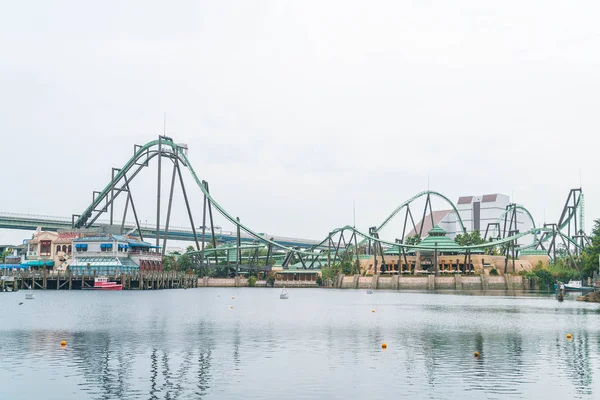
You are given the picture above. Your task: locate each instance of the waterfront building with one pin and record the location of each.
(450, 258)
(51, 250)
(114, 254)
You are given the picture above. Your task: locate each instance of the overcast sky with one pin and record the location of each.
(294, 109)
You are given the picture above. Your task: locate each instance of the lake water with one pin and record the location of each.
(318, 344)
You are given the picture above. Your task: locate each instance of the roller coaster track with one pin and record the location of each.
(416, 197)
(169, 149)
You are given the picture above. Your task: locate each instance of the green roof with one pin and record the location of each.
(437, 239)
(534, 253)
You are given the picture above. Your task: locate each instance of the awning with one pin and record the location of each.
(146, 245)
(81, 246)
(123, 247)
(39, 263)
(9, 266)
(106, 246)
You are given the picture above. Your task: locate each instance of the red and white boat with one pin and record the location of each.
(102, 283)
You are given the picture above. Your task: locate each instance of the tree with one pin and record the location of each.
(5, 254)
(170, 262)
(476, 238)
(469, 239)
(347, 267)
(185, 262)
(591, 253)
(189, 248)
(413, 240)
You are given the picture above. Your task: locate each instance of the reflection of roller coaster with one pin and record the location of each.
(341, 242)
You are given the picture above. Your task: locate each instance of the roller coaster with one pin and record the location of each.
(345, 242)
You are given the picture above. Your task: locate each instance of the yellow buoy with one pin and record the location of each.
(383, 345)
(569, 336)
(372, 310)
(476, 354)
(63, 343)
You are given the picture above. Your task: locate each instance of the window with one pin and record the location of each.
(69, 249)
(64, 248)
(57, 248)
(106, 247)
(45, 248)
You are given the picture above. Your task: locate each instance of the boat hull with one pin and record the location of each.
(113, 287)
(578, 289)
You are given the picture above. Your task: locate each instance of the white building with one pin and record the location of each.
(477, 213)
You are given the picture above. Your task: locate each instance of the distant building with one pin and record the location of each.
(477, 213)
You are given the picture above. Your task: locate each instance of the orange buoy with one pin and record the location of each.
(383, 345)
(372, 310)
(569, 336)
(63, 343)
(231, 307)
(476, 354)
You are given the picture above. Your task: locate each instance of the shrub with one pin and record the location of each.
(494, 271)
(252, 281)
(545, 278)
(319, 281)
(347, 267)
(271, 280)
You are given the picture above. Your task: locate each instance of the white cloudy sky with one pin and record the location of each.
(295, 109)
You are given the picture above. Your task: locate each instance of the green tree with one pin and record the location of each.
(413, 240)
(170, 262)
(476, 238)
(271, 279)
(469, 239)
(5, 254)
(347, 267)
(591, 253)
(190, 248)
(185, 262)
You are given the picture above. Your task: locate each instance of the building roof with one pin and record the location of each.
(438, 216)
(436, 238)
(133, 242)
(66, 237)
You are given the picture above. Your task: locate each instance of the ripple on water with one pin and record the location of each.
(319, 344)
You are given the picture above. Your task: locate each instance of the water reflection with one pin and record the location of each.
(333, 351)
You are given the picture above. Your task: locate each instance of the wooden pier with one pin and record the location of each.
(49, 280)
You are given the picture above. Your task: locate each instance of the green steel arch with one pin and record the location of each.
(417, 196)
(526, 211)
(179, 153)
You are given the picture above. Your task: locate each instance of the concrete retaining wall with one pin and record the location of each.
(445, 282)
(387, 282)
(348, 282)
(431, 282)
(413, 282)
(471, 283)
(364, 282)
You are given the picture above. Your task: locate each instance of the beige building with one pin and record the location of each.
(418, 264)
(52, 249)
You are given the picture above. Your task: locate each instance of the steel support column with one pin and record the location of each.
(187, 206)
(158, 191)
(164, 249)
